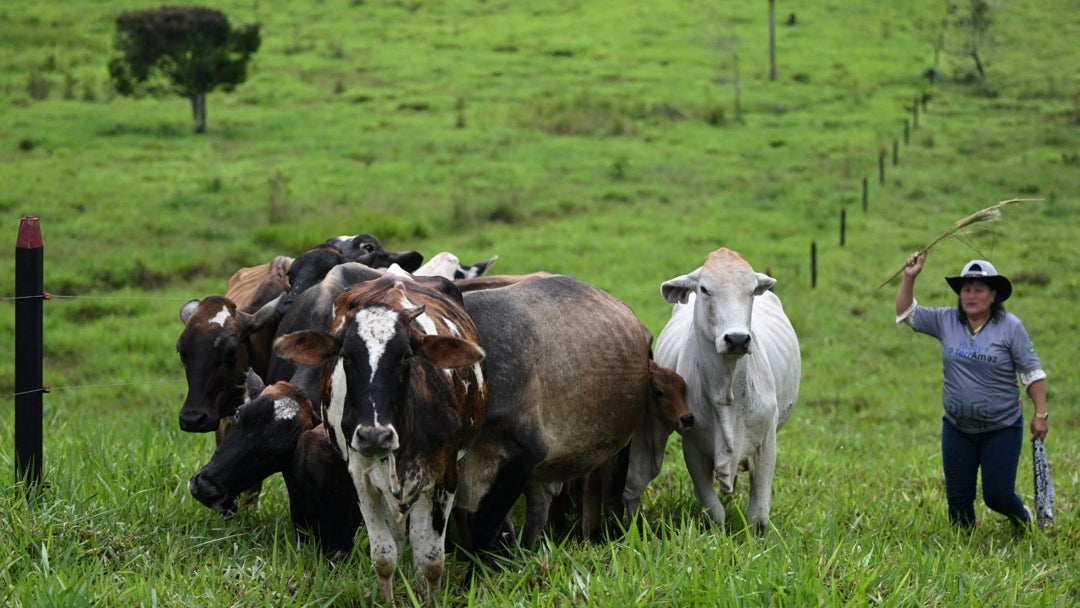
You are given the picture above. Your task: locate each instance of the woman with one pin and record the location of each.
(984, 351)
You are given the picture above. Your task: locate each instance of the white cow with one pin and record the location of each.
(729, 338)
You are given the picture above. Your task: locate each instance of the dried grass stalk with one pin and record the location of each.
(991, 213)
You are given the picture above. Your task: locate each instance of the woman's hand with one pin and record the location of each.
(914, 264)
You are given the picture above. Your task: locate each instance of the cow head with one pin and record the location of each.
(668, 399)
(389, 392)
(275, 430)
(367, 250)
(213, 348)
(260, 442)
(724, 289)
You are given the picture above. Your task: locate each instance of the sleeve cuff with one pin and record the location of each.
(1026, 378)
(908, 315)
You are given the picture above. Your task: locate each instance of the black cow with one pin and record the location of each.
(276, 430)
(309, 268)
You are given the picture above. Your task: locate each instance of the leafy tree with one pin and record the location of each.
(186, 51)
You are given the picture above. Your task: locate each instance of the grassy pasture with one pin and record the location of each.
(595, 139)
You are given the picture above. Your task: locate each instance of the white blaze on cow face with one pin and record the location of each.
(285, 408)
(221, 317)
(376, 327)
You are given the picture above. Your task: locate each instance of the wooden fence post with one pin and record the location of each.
(843, 225)
(813, 264)
(29, 296)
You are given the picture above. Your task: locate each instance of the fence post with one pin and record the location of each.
(813, 264)
(843, 225)
(29, 297)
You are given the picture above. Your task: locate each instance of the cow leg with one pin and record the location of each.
(427, 533)
(761, 475)
(592, 495)
(504, 491)
(538, 498)
(646, 457)
(700, 467)
(384, 530)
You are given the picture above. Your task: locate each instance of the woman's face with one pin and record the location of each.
(976, 297)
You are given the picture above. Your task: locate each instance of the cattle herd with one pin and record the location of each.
(403, 397)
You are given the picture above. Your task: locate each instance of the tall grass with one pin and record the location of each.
(595, 139)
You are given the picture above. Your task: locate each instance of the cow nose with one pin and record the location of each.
(687, 421)
(375, 440)
(196, 422)
(210, 494)
(737, 342)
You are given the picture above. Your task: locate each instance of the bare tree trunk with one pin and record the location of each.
(979, 66)
(737, 85)
(772, 39)
(198, 111)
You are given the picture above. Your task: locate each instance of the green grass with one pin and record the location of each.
(595, 139)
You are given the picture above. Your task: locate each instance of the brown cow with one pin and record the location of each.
(568, 369)
(599, 493)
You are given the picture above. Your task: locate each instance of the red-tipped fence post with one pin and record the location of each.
(29, 297)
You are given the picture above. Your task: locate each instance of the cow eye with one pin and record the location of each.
(704, 290)
(368, 247)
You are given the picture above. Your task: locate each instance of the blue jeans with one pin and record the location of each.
(998, 454)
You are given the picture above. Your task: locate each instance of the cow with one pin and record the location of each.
(668, 413)
(448, 265)
(217, 345)
(729, 338)
(403, 396)
(216, 348)
(259, 284)
(309, 268)
(568, 382)
(598, 491)
(276, 430)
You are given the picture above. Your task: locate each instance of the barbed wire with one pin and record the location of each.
(50, 389)
(49, 296)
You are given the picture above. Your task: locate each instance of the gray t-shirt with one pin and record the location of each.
(980, 371)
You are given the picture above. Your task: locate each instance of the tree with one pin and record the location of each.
(973, 22)
(186, 51)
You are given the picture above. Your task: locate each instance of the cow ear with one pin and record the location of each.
(188, 309)
(449, 352)
(479, 268)
(764, 283)
(307, 348)
(680, 288)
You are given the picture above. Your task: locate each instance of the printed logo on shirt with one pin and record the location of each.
(973, 354)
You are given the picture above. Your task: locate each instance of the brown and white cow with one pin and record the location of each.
(276, 431)
(404, 394)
